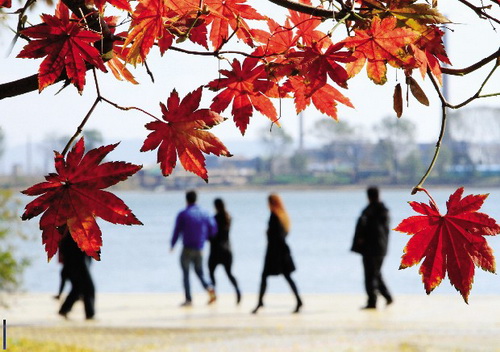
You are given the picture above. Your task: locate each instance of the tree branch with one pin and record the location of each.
(478, 95)
(480, 11)
(93, 20)
(307, 9)
(19, 87)
(471, 68)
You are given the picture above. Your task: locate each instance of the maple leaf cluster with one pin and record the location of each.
(296, 59)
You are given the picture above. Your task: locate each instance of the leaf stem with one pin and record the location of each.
(420, 184)
(127, 108)
(86, 118)
(80, 127)
(307, 9)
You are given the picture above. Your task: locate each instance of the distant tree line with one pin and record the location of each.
(392, 155)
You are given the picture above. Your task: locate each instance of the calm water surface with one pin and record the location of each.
(137, 258)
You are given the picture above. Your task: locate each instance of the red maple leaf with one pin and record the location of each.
(230, 13)
(380, 44)
(306, 31)
(161, 21)
(452, 243)
(67, 45)
(429, 50)
(277, 41)
(5, 3)
(119, 4)
(147, 26)
(316, 66)
(188, 20)
(118, 55)
(184, 134)
(324, 98)
(74, 196)
(245, 86)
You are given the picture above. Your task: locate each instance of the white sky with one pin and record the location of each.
(33, 116)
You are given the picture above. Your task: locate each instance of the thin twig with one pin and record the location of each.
(307, 9)
(128, 108)
(480, 11)
(478, 95)
(420, 184)
(80, 128)
(86, 118)
(148, 71)
(20, 25)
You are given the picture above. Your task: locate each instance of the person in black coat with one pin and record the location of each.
(220, 246)
(278, 259)
(76, 264)
(371, 239)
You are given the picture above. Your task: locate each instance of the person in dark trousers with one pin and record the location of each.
(371, 239)
(278, 259)
(76, 264)
(64, 276)
(194, 226)
(220, 246)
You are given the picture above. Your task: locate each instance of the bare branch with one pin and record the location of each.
(471, 68)
(478, 93)
(480, 11)
(310, 10)
(128, 108)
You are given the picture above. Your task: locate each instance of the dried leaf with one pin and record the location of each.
(417, 92)
(398, 100)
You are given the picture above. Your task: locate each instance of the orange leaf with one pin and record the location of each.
(324, 99)
(146, 27)
(452, 243)
(184, 134)
(119, 4)
(306, 29)
(381, 43)
(74, 196)
(225, 14)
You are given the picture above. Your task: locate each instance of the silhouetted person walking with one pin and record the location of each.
(371, 239)
(63, 275)
(220, 246)
(76, 265)
(278, 258)
(195, 226)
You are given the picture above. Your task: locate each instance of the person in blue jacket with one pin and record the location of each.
(194, 226)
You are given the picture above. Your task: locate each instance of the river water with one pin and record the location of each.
(137, 258)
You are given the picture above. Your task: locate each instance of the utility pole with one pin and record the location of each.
(301, 132)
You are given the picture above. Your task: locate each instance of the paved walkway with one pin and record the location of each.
(155, 322)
